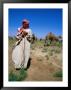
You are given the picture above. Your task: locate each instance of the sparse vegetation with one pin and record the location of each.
(12, 41)
(44, 50)
(47, 57)
(50, 53)
(17, 77)
(57, 50)
(58, 74)
(33, 47)
(42, 60)
(59, 44)
(13, 77)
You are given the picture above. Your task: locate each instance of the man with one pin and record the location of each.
(21, 52)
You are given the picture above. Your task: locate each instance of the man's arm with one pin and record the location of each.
(24, 33)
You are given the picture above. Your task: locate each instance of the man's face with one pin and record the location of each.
(25, 25)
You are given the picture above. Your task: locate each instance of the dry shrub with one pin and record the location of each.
(47, 57)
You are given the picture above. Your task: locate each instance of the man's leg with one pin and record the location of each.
(27, 54)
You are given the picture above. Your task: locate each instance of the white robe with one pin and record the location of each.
(21, 52)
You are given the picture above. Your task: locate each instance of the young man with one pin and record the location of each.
(22, 32)
(21, 52)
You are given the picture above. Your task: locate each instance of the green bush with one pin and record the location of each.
(58, 74)
(18, 77)
(59, 44)
(13, 77)
(48, 43)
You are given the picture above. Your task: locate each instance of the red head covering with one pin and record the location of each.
(25, 21)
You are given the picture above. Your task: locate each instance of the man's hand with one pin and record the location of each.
(24, 33)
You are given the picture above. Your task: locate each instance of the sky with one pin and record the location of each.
(42, 21)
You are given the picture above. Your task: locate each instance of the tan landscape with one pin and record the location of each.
(45, 63)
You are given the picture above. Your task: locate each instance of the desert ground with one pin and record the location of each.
(45, 63)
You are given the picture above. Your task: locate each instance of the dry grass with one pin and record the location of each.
(45, 62)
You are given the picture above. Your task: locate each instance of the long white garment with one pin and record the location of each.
(21, 52)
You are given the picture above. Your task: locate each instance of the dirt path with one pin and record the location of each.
(42, 69)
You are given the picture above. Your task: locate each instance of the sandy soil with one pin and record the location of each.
(43, 64)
